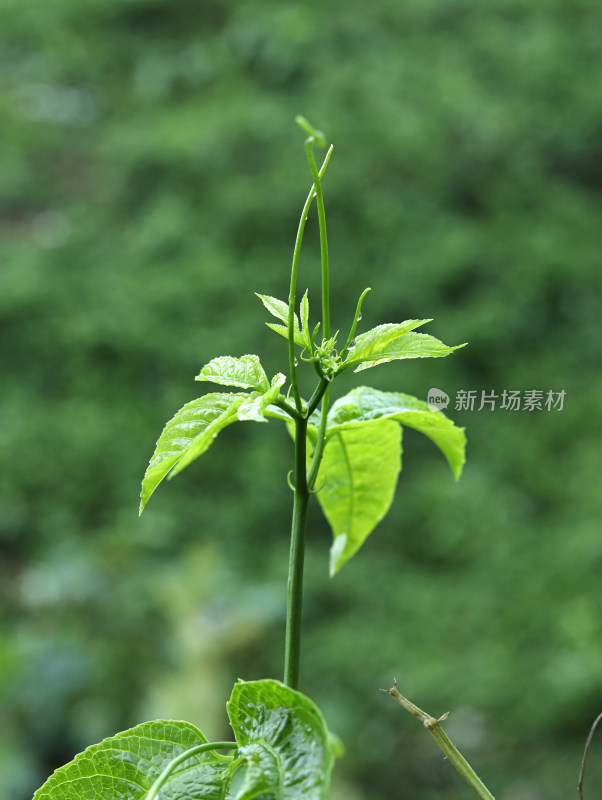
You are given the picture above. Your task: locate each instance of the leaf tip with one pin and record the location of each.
(337, 748)
(144, 498)
(459, 467)
(337, 553)
(459, 346)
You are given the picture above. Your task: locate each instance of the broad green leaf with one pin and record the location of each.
(304, 314)
(285, 738)
(278, 309)
(372, 343)
(125, 766)
(283, 331)
(245, 372)
(188, 435)
(358, 476)
(411, 345)
(253, 409)
(279, 733)
(366, 405)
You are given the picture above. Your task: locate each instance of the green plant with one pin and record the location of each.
(349, 454)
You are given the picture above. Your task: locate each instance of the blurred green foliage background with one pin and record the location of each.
(151, 181)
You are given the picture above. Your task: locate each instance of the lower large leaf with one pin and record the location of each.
(280, 734)
(358, 475)
(125, 767)
(285, 740)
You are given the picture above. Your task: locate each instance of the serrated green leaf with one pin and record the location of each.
(367, 405)
(278, 309)
(304, 314)
(253, 409)
(125, 766)
(360, 464)
(358, 476)
(372, 343)
(188, 435)
(411, 345)
(245, 372)
(287, 738)
(283, 331)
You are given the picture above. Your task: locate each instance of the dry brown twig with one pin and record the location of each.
(585, 753)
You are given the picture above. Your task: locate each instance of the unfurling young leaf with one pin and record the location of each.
(304, 314)
(278, 309)
(245, 372)
(283, 331)
(284, 737)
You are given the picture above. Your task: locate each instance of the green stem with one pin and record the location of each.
(292, 412)
(453, 754)
(323, 238)
(294, 605)
(194, 751)
(293, 284)
(312, 473)
(317, 396)
(294, 599)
